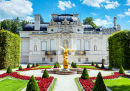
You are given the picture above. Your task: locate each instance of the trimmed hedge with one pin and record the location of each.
(20, 67)
(92, 63)
(56, 65)
(74, 65)
(45, 74)
(32, 85)
(37, 64)
(109, 67)
(33, 65)
(97, 65)
(102, 66)
(99, 84)
(85, 74)
(119, 49)
(121, 70)
(9, 49)
(9, 70)
(28, 66)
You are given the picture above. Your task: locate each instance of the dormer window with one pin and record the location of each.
(78, 30)
(51, 30)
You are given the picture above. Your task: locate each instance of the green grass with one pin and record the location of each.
(87, 66)
(118, 84)
(11, 68)
(44, 66)
(12, 84)
(77, 84)
(52, 87)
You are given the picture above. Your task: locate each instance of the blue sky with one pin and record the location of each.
(102, 11)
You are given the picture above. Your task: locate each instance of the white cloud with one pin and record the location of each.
(128, 2)
(94, 14)
(111, 5)
(120, 15)
(128, 21)
(93, 3)
(128, 13)
(103, 23)
(108, 17)
(63, 5)
(28, 18)
(15, 8)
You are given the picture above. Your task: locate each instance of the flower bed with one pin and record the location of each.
(43, 83)
(32, 68)
(88, 84)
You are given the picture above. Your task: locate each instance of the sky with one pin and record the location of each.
(102, 11)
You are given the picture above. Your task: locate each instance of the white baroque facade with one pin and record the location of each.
(40, 42)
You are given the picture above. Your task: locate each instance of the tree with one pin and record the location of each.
(14, 27)
(9, 70)
(32, 85)
(92, 63)
(0, 26)
(24, 22)
(4, 24)
(89, 21)
(121, 70)
(102, 65)
(97, 65)
(99, 84)
(85, 74)
(110, 67)
(41, 19)
(28, 66)
(45, 74)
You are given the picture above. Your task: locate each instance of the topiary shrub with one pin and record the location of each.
(74, 65)
(99, 84)
(28, 66)
(9, 70)
(20, 67)
(45, 74)
(109, 67)
(56, 65)
(37, 64)
(33, 65)
(85, 74)
(32, 85)
(121, 70)
(97, 65)
(92, 63)
(102, 66)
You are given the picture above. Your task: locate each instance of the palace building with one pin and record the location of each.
(40, 42)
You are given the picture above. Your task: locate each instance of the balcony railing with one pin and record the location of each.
(80, 53)
(50, 53)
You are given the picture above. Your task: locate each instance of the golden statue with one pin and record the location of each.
(65, 56)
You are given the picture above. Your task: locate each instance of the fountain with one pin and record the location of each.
(65, 70)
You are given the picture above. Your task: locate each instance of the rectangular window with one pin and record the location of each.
(44, 45)
(78, 44)
(86, 46)
(51, 59)
(43, 59)
(52, 45)
(86, 59)
(79, 59)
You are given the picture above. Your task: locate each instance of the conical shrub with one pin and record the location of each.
(32, 85)
(102, 66)
(28, 66)
(85, 74)
(9, 70)
(45, 74)
(121, 70)
(99, 84)
(97, 65)
(20, 67)
(74, 65)
(33, 65)
(92, 63)
(37, 64)
(109, 67)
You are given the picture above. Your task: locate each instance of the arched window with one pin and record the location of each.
(35, 47)
(95, 47)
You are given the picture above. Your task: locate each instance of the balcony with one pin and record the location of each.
(80, 53)
(47, 53)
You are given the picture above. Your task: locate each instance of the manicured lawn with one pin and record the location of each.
(45, 66)
(83, 66)
(118, 84)
(12, 84)
(52, 87)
